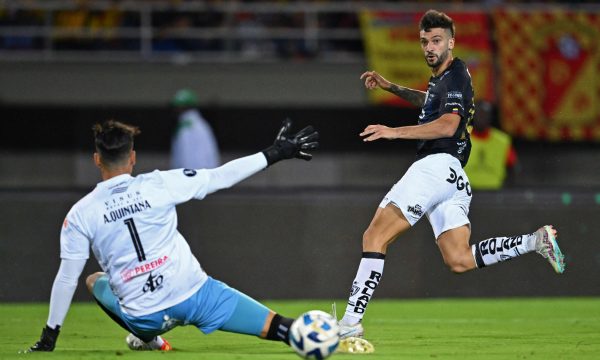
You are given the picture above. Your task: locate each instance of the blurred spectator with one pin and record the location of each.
(194, 145)
(251, 36)
(347, 20)
(70, 27)
(11, 16)
(292, 47)
(175, 29)
(492, 153)
(81, 28)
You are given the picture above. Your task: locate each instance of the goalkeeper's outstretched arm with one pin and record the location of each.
(63, 289)
(286, 146)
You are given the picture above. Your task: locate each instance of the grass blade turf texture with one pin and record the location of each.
(544, 328)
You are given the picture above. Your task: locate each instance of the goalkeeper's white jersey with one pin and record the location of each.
(131, 225)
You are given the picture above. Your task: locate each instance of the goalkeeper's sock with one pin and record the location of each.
(279, 330)
(157, 342)
(494, 250)
(366, 280)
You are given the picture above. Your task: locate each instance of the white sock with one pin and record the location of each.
(366, 280)
(156, 343)
(494, 250)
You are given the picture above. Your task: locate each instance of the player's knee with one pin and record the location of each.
(91, 280)
(373, 242)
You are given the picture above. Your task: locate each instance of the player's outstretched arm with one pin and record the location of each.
(374, 80)
(288, 145)
(442, 127)
(63, 289)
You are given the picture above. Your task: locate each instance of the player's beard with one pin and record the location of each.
(440, 59)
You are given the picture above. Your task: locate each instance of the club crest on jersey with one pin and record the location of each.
(354, 290)
(189, 172)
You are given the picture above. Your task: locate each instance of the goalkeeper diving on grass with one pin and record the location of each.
(151, 282)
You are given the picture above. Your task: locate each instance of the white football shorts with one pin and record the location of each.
(436, 186)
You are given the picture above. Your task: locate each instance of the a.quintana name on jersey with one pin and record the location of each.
(117, 214)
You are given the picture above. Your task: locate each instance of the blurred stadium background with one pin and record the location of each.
(295, 230)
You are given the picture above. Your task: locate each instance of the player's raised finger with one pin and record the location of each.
(369, 130)
(376, 135)
(367, 74)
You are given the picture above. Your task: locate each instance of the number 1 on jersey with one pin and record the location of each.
(136, 239)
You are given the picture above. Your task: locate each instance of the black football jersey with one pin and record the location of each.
(450, 92)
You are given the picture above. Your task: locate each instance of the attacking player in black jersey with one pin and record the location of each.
(435, 185)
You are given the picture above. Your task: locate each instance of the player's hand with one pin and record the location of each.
(373, 80)
(47, 341)
(374, 132)
(287, 145)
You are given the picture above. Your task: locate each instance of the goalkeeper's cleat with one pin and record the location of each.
(159, 343)
(47, 341)
(546, 245)
(165, 346)
(355, 345)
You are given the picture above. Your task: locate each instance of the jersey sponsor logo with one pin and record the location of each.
(366, 292)
(461, 184)
(417, 209)
(131, 209)
(189, 172)
(129, 274)
(122, 200)
(454, 95)
(153, 283)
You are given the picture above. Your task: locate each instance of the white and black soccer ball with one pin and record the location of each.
(315, 335)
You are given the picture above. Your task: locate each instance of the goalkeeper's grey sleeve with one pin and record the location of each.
(63, 289)
(234, 171)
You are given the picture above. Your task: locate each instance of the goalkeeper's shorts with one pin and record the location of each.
(215, 306)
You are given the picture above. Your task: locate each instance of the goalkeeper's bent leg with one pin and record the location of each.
(253, 318)
(98, 285)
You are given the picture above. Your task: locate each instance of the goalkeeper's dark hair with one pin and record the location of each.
(436, 19)
(114, 140)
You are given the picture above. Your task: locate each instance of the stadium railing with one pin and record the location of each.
(182, 31)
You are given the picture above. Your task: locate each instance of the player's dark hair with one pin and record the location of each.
(114, 140)
(436, 19)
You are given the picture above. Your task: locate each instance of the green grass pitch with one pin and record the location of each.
(553, 328)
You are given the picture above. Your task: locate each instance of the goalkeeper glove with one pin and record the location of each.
(47, 341)
(287, 146)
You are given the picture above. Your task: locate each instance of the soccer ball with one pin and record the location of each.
(315, 335)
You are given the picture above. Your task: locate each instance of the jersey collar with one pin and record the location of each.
(113, 181)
